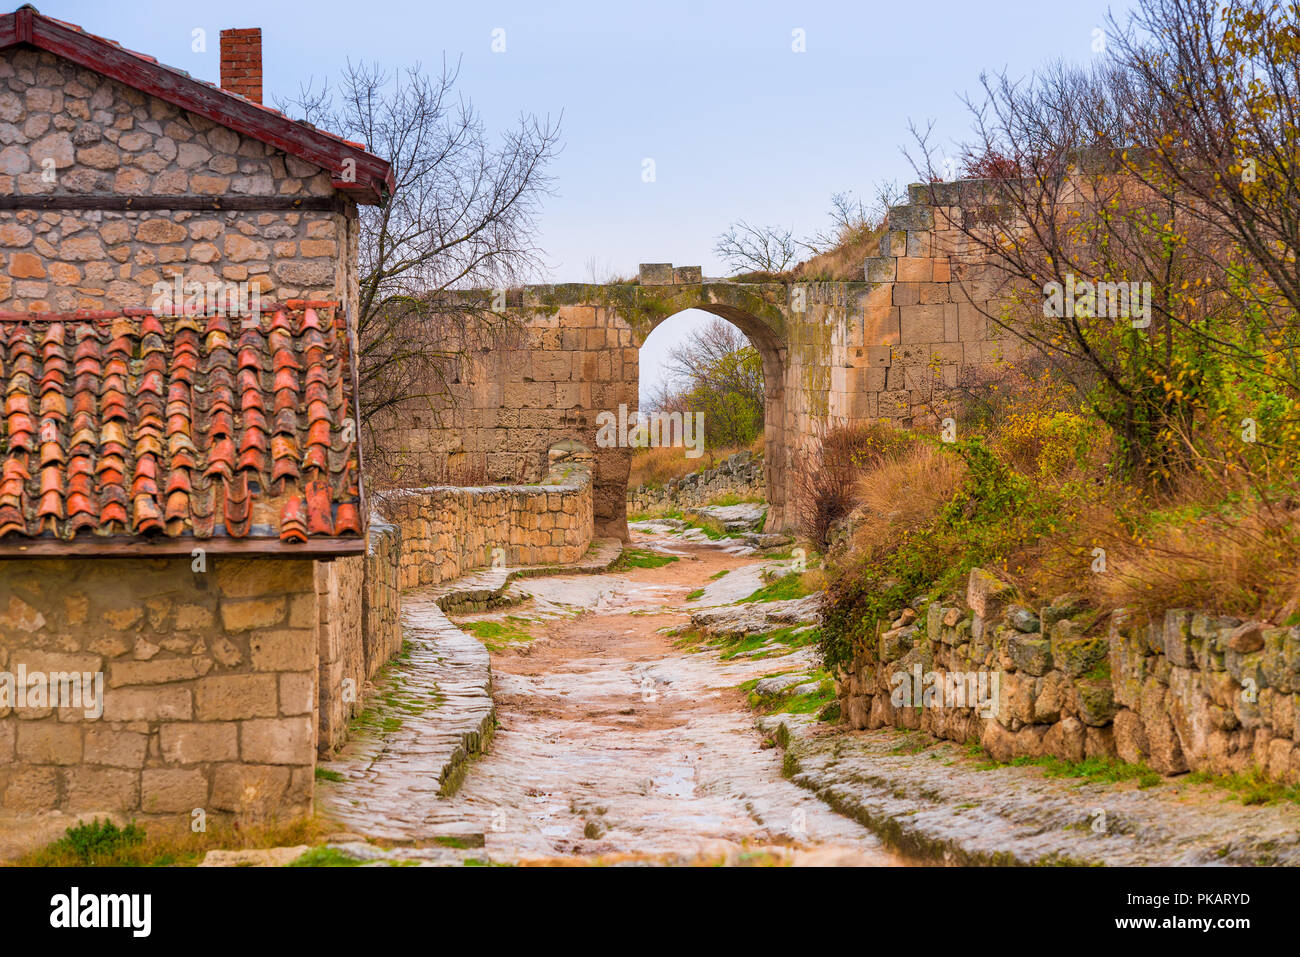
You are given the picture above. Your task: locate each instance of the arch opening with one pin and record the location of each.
(771, 358)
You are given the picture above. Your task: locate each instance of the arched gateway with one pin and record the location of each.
(834, 353)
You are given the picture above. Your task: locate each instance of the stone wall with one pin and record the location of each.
(515, 399)
(1189, 692)
(740, 475)
(381, 599)
(342, 658)
(68, 130)
(360, 628)
(209, 685)
(447, 531)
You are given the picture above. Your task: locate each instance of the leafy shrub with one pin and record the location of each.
(91, 843)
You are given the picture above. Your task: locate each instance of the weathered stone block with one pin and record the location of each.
(1030, 654)
(198, 742)
(986, 594)
(121, 749)
(100, 789)
(236, 697)
(49, 742)
(173, 790)
(278, 741)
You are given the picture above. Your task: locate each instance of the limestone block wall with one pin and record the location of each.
(1189, 692)
(209, 685)
(360, 628)
(66, 130)
(514, 399)
(447, 531)
(923, 319)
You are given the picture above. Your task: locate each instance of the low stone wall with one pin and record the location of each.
(447, 531)
(1190, 692)
(209, 685)
(1207, 693)
(741, 475)
(381, 600)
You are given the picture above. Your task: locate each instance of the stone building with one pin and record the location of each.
(182, 520)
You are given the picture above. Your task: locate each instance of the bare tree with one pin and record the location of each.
(746, 248)
(1223, 131)
(462, 216)
(851, 217)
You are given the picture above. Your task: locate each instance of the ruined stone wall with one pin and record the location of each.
(923, 321)
(834, 354)
(66, 130)
(514, 399)
(1188, 692)
(447, 531)
(210, 685)
(739, 475)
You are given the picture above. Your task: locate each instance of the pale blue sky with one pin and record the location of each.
(737, 123)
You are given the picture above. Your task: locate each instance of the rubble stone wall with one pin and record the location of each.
(65, 130)
(1191, 691)
(739, 475)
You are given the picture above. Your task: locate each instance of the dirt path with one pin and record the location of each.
(611, 743)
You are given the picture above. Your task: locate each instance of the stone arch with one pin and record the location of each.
(772, 352)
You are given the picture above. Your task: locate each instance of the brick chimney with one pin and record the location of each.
(241, 62)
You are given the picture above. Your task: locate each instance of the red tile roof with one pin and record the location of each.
(125, 428)
(369, 179)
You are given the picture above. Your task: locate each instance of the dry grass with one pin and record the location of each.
(1198, 552)
(902, 496)
(654, 468)
(174, 844)
(844, 262)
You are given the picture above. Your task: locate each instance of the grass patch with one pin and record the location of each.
(104, 844)
(1251, 788)
(325, 774)
(807, 703)
(731, 646)
(695, 595)
(731, 498)
(715, 577)
(324, 857)
(497, 635)
(789, 585)
(641, 558)
(1093, 770)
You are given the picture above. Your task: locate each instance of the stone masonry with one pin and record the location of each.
(67, 129)
(209, 695)
(1189, 691)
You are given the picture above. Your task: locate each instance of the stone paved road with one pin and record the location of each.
(613, 744)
